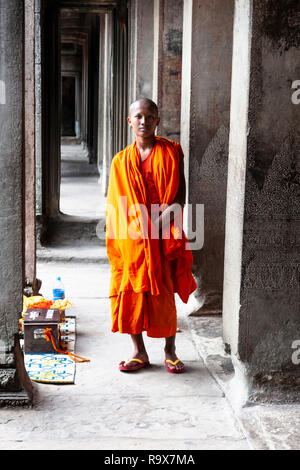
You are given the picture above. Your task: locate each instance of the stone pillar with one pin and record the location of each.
(120, 74)
(101, 94)
(141, 59)
(84, 91)
(168, 18)
(32, 286)
(206, 82)
(262, 251)
(38, 106)
(107, 148)
(51, 110)
(155, 59)
(12, 370)
(93, 77)
(113, 135)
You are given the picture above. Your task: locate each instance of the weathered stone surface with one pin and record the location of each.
(170, 23)
(9, 380)
(271, 426)
(262, 295)
(211, 177)
(207, 57)
(141, 56)
(11, 49)
(12, 376)
(29, 234)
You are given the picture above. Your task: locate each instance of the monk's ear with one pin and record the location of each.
(129, 120)
(158, 121)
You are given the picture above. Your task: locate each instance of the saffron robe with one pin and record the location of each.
(146, 270)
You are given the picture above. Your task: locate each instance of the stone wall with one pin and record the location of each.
(207, 89)
(11, 210)
(266, 323)
(169, 67)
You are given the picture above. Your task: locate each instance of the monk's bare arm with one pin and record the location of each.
(177, 205)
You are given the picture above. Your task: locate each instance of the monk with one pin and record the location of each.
(146, 246)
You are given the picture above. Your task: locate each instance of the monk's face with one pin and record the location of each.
(143, 119)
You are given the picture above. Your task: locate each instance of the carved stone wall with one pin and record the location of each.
(169, 67)
(268, 318)
(11, 201)
(207, 147)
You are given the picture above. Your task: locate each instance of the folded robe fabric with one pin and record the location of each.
(132, 240)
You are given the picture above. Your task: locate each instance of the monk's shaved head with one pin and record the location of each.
(143, 101)
(143, 118)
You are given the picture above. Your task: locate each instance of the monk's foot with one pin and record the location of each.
(171, 356)
(142, 356)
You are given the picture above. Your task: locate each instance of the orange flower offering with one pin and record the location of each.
(40, 302)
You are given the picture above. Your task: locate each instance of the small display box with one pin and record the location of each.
(36, 320)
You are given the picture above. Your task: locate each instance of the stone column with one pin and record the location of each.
(51, 111)
(93, 67)
(29, 150)
(262, 251)
(84, 91)
(168, 17)
(141, 50)
(107, 147)
(101, 94)
(38, 106)
(206, 82)
(120, 74)
(11, 147)
(155, 59)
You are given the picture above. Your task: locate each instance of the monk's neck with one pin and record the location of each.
(144, 144)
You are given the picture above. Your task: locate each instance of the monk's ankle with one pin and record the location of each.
(140, 355)
(169, 353)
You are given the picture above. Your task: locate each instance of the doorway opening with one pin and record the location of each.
(80, 191)
(84, 106)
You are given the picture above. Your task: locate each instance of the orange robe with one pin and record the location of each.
(145, 271)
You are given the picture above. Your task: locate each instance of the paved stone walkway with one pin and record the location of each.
(107, 409)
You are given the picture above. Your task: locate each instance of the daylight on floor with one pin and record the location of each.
(150, 276)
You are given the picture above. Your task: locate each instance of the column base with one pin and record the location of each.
(206, 304)
(275, 387)
(281, 387)
(12, 399)
(15, 385)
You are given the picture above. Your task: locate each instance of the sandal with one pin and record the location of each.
(173, 370)
(123, 366)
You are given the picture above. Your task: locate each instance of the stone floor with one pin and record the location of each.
(149, 409)
(107, 409)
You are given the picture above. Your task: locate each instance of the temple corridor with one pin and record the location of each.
(107, 410)
(225, 77)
